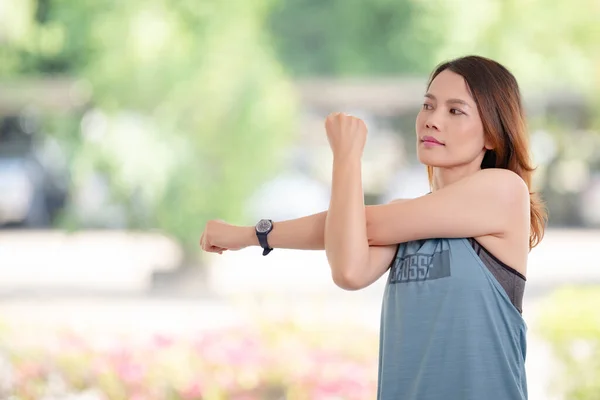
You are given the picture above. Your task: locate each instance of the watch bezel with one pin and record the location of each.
(264, 226)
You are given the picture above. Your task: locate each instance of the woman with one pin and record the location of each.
(451, 324)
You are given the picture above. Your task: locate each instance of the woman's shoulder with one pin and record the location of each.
(503, 188)
(501, 181)
(512, 246)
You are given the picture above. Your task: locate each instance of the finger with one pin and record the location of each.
(215, 249)
(205, 243)
(347, 120)
(362, 124)
(330, 118)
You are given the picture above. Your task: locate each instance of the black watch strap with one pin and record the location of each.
(264, 243)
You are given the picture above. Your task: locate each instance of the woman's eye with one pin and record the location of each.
(455, 111)
(427, 106)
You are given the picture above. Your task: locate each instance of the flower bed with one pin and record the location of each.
(278, 360)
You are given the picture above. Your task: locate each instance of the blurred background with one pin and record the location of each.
(125, 126)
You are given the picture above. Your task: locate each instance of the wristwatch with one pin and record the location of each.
(263, 228)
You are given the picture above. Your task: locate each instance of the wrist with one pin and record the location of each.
(250, 238)
(347, 159)
(346, 166)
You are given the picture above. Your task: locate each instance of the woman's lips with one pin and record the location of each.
(431, 141)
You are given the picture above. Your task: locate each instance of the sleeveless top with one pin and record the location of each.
(449, 328)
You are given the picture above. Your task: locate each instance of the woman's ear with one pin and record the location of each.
(487, 145)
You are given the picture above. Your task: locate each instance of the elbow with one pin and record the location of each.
(348, 281)
(373, 236)
(348, 267)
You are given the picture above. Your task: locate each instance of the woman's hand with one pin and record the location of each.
(219, 236)
(347, 135)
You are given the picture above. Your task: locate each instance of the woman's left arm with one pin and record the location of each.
(346, 240)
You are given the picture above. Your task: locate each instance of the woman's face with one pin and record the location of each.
(449, 128)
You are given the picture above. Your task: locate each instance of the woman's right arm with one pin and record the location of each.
(306, 233)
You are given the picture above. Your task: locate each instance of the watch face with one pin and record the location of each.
(263, 225)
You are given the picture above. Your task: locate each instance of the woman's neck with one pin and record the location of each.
(443, 177)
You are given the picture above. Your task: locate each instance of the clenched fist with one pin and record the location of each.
(346, 134)
(219, 236)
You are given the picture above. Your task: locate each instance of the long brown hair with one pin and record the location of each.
(498, 98)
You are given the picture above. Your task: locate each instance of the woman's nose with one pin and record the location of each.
(431, 124)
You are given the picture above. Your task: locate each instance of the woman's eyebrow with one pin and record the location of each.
(449, 101)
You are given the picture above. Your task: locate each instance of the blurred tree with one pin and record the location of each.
(351, 37)
(190, 106)
(542, 44)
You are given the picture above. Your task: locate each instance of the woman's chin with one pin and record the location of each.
(429, 161)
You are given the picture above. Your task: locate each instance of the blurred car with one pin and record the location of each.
(33, 187)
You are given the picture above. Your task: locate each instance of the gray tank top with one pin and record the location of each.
(449, 328)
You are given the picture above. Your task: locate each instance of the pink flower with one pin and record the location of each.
(163, 341)
(193, 391)
(131, 372)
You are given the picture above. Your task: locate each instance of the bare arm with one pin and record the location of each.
(308, 233)
(490, 202)
(346, 240)
(305, 233)
(486, 203)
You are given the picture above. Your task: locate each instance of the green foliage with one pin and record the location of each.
(222, 105)
(350, 37)
(570, 322)
(542, 44)
(190, 104)
(192, 101)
